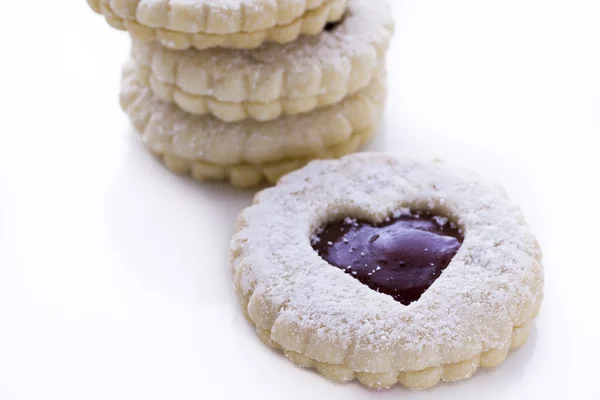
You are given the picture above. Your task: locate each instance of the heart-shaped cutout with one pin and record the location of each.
(401, 257)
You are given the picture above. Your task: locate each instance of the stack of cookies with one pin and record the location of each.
(248, 90)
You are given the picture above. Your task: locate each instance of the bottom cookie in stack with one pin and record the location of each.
(248, 153)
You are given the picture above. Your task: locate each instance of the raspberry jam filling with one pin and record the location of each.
(401, 257)
(330, 26)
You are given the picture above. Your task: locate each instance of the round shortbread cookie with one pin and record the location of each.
(227, 111)
(241, 24)
(247, 175)
(299, 76)
(480, 306)
(186, 140)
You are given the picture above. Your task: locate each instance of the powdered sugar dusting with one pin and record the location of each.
(441, 221)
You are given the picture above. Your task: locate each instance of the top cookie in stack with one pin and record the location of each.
(239, 24)
(249, 115)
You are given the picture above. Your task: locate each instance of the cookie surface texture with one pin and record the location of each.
(249, 152)
(240, 24)
(481, 306)
(273, 79)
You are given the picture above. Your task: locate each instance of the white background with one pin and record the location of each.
(113, 277)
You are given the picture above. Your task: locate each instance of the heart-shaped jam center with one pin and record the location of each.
(401, 257)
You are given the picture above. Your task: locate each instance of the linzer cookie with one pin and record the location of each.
(274, 80)
(204, 24)
(225, 111)
(249, 152)
(387, 270)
